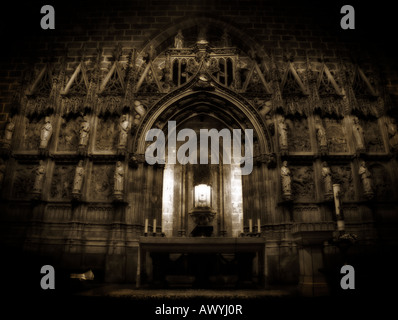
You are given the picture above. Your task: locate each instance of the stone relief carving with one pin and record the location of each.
(358, 135)
(366, 178)
(327, 181)
(286, 179)
(61, 185)
(23, 181)
(101, 182)
(69, 134)
(46, 133)
(299, 139)
(107, 134)
(381, 182)
(372, 136)
(336, 136)
(342, 174)
(303, 183)
(39, 177)
(32, 134)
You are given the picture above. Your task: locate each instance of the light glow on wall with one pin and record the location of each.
(168, 200)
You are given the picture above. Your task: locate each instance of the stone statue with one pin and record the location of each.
(46, 132)
(84, 132)
(9, 130)
(78, 179)
(327, 180)
(286, 181)
(392, 134)
(321, 135)
(139, 108)
(358, 135)
(179, 40)
(118, 178)
(366, 178)
(282, 130)
(40, 172)
(124, 126)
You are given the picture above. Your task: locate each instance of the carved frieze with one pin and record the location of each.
(381, 182)
(101, 182)
(298, 133)
(107, 133)
(336, 135)
(62, 182)
(342, 174)
(372, 135)
(303, 187)
(24, 178)
(68, 139)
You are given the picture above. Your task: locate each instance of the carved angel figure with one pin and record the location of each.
(124, 126)
(366, 178)
(179, 40)
(282, 130)
(358, 134)
(40, 171)
(327, 179)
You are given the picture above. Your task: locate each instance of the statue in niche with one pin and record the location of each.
(392, 134)
(124, 126)
(78, 179)
(286, 181)
(179, 40)
(9, 131)
(358, 135)
(282, 130)
(321, 135)
(366, 178)
(46, 132)
(327, 181)
(118, 178)
(84, 132)
(40, 172)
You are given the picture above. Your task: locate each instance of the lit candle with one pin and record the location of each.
(154, 225)
(258, 226)
(250, 225)
(146, 226)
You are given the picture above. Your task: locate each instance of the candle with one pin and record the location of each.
(146, 226)
(250, 225)
(258, 226)
(154, 225)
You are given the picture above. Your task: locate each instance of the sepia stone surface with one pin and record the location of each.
(76, 107)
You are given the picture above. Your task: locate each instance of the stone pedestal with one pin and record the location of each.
(310, 240)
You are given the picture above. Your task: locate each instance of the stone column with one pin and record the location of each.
(310, 239)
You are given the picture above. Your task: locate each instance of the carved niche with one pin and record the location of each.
(372, 135)
(107, 133)
(68, 139)
(62, 181)
(303, 187)
(342, 174)
(31, 139)
(101, 182)
(23, 180)
(336, 135)
(381, 182)
(298, 133)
